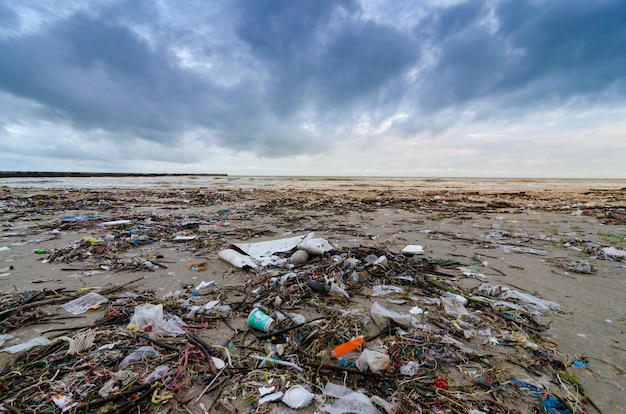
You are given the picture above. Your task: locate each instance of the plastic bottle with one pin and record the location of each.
(348, 347)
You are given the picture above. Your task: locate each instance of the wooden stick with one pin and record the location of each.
(6, 313)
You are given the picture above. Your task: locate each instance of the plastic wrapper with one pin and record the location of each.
(271, 397)
(157, 374)
(64, 402)
(84, 303)
(382, 261)
(531, 303)
(336, 290)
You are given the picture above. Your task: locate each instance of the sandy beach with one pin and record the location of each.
(560, 241)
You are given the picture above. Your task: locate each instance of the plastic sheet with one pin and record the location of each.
(237, 259)
(316, 247)
(382, 317)
(264, 253)
(413, 249)
(39, 341)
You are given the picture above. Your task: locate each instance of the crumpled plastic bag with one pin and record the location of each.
(612, 253)
(410, 369)
(143, 352)
(454, 305)
(532, 304)
(528, 303)
(150, 318)
(354, 402)
(375, 361)
(335, 390)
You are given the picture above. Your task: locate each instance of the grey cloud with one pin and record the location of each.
(288, 77)
(541, 53)
(362, 59)
(281, 30)
(94, 73)
(582, 43)
(323, 58)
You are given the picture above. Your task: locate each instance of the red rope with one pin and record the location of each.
(181, 377)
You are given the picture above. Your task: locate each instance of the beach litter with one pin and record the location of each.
(389, 345)
(307, 324)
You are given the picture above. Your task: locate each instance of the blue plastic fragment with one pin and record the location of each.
(345, 364)
(580, 364)
(523, 384)
(554, 406)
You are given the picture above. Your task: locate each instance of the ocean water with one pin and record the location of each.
(315, 183)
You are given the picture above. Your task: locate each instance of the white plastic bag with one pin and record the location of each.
(375, 361)
(149, 318)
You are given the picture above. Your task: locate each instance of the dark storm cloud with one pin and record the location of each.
(282, 77)
(579, 45)
(530, 53)
(96, 74)
(278, 31)
(320, 54)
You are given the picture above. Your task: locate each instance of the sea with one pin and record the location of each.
(312, 182)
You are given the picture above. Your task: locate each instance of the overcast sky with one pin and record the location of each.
(293, 87)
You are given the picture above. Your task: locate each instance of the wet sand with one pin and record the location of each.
(522, 232)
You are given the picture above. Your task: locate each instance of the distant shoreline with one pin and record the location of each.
(26, 174)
